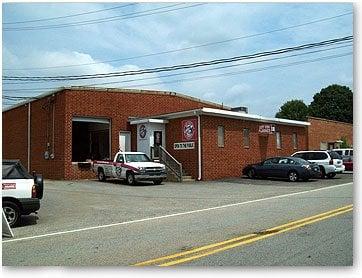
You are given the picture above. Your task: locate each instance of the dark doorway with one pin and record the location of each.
(90, 140)
(157, 141)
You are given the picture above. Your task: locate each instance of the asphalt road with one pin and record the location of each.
(89, 223)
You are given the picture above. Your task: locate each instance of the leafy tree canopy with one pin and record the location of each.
(293, 110)
(334, 102)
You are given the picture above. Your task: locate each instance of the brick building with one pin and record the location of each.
(226, 141)
(59, 133)
(327, 134)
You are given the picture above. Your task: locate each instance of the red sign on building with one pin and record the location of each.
(266, 129)
(189, 130)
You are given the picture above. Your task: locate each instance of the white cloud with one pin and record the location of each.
(56, 58)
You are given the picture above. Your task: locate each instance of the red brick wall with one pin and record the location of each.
(15, 134)
(117, 107)
(133, 129)
(323, 130)
(228, 161)
(41, 120)
(188, 158)
(15, 127)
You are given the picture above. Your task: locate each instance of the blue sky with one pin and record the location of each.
(262, 91)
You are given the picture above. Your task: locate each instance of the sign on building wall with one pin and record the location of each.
(189, 130)
(184, 146)
(142, 131)
(266, 129)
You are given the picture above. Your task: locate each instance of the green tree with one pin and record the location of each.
(294, 110)
(344, 143)
(334, 102)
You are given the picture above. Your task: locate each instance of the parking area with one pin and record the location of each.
(69, 205)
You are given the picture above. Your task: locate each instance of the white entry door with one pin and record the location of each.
(125, 141)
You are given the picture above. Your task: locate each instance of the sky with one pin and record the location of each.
(133, 36)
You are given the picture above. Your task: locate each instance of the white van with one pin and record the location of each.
(346, 154)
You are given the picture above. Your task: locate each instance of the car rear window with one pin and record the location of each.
(312, 155)
(318, 156)
(334, 155)
(339, 152)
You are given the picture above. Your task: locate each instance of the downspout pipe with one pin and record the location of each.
(199, 147)
(29, 126)
(52, 155)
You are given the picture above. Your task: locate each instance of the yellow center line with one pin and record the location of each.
(210, 249)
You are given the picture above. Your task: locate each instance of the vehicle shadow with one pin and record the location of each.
(270, 181)
(27, 220)
(118, 182)
(285, 180)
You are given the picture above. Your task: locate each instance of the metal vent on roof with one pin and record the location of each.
(242, 109)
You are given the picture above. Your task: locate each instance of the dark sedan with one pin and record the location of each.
(292, 168)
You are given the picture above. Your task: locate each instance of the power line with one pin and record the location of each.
(245, 71)
(181, 66)
(186, 73)
(107, 19)
(222, 67)
(68, 16)
(236, 72)
(191, 47)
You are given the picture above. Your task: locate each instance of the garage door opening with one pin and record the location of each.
(90, 139)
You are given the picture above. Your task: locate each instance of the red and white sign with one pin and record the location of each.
(9, 186)
(189, 130)
(266, 129)
(142, 131)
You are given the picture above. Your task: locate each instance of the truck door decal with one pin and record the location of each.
(119, 172)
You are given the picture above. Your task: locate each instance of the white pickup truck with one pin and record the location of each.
(21, 192)
(130, 166)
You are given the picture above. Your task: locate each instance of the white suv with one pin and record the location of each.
(329, 162)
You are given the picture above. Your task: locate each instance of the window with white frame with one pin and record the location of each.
(278, 137)
(295, 140)
(220, 136)
(246, 137)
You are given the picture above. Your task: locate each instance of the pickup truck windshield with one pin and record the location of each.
(137, 158)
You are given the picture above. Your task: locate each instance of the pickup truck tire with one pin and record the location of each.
(101, 175)
(157, 182)
(39, 183)
(12, 213)
(130, 178)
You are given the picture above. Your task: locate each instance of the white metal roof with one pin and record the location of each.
(252, 117)
(145, 120)
(230, 114)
